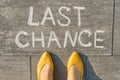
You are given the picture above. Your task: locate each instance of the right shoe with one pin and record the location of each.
(75, 59)
(45, 59)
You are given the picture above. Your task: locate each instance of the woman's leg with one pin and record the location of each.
(46, 73)
(74, 73)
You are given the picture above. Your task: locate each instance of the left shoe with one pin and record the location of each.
(45, 59)
(75, 59)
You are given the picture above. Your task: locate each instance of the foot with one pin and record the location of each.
(46, 73)
(74, 73)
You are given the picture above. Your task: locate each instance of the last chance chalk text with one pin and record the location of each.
(52, 37)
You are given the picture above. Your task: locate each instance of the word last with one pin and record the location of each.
(53, 38)
(48, 16)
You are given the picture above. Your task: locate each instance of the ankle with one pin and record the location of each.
(74, 73)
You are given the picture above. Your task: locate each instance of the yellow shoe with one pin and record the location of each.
(75, 59)
(45, 59)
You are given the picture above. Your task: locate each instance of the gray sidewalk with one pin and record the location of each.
(96, 67)
(20, 63)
